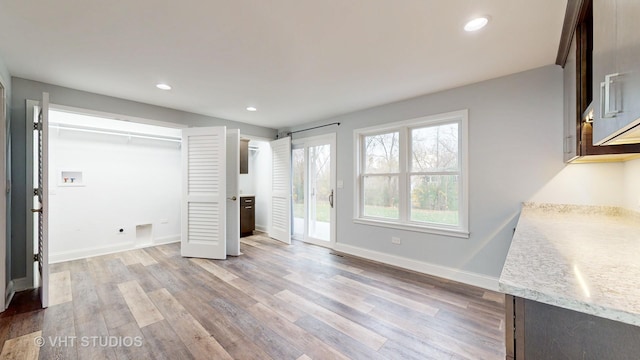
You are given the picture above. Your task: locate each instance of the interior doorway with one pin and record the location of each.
(313, 189)
(78, 177)
(114, 184)
(256, 181)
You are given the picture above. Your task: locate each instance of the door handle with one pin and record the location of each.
(608, 112)
(331, 199)
(36, 210)
(233, 198)
(602, 96)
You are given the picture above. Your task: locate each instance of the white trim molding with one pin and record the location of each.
(8, 294)
(416, 228)
(5, 178)
(105, 250)
(449, 273)
(21, 284)
(164, 240)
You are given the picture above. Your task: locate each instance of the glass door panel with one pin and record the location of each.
(298, 191)
(313, 189)
(320, 192)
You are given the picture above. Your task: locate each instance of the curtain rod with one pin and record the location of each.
(312, 128)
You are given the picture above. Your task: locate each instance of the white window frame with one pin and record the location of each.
(404, 129)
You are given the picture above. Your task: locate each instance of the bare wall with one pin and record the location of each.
(125, 183)
(585, 184)
(631, 181)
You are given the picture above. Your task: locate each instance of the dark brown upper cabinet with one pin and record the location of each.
(578, 54)
(616, 71)
(244, 156)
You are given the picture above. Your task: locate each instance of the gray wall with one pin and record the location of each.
(6, 80)
(23, 90)
(515, 148)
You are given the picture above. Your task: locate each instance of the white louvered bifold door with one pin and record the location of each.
(204, 193)
(43, 198)
(281, 190)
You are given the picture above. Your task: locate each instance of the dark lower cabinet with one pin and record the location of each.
(247, 215)
(541, 331)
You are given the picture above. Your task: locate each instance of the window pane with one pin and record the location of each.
(298, 174)
(435, 148)
(319, 224)
(434, 199)
(381, 153)
(381, 196)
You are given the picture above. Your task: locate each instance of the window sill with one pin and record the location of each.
(413, 227)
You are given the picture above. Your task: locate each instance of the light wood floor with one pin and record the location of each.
(273, 302)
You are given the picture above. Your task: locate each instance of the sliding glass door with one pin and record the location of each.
(313, 189)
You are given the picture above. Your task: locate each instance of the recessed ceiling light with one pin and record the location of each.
(476, 24)
(163, 87)
(251, 108)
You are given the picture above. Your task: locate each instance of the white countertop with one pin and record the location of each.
(583, 258)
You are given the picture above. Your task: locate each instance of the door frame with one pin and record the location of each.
(232, 192)
(30, 104)
(5, 195)
(329, 138)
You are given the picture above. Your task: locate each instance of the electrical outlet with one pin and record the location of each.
(395, 240)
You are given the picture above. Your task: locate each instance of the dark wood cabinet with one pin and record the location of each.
(247, 215)
(570, 104)
(581, 96)
(244, 156)
(616, 68)
(535, 330)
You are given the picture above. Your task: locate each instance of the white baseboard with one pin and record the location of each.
(12, 287)
(21, 284)
(8, 294)
(470, 278)
(166, 240)
(90, 252)
(105, 250)
(262, 228)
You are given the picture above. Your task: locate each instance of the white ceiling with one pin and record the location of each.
(295, 60)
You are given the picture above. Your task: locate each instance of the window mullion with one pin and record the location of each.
(403, 181)
(361, 171)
